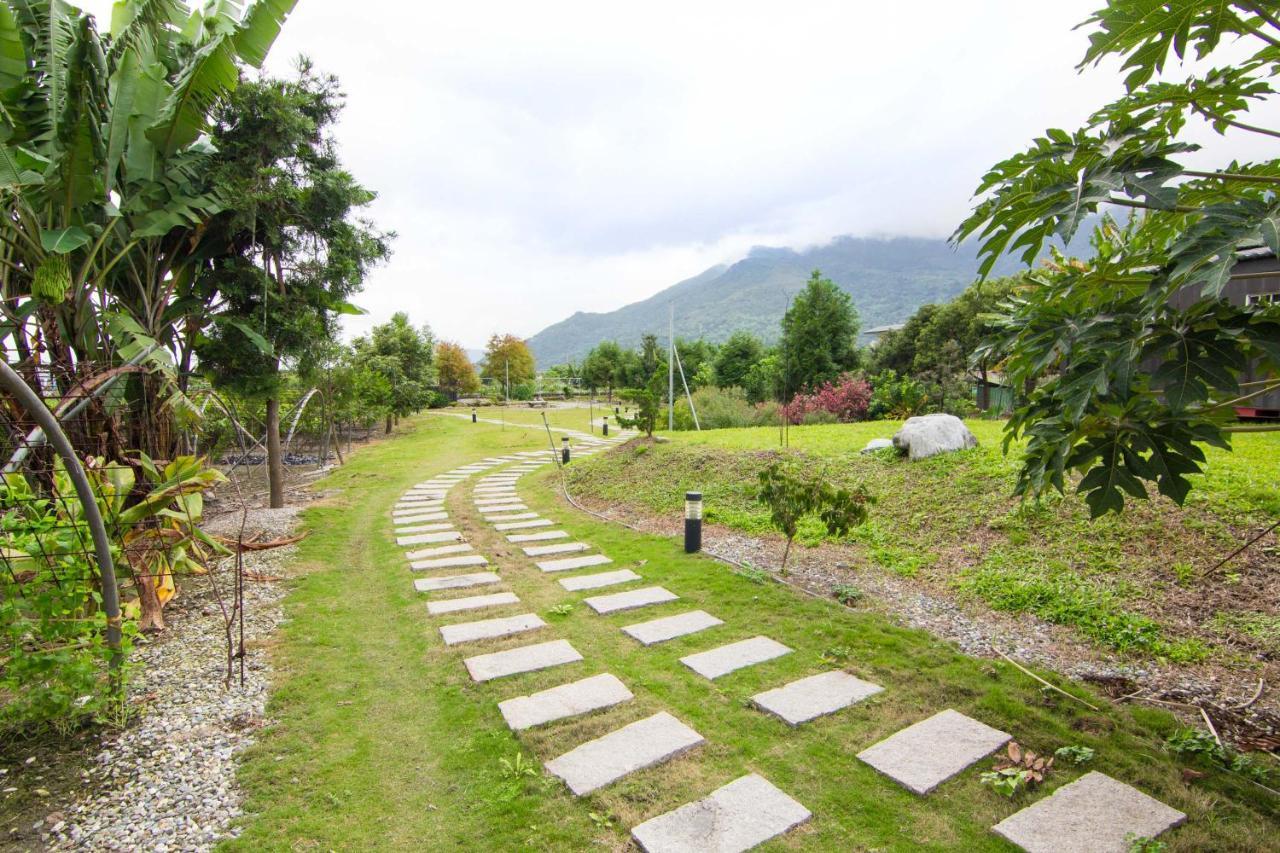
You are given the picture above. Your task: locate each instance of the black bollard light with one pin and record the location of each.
(606, 424)
(564, 450)
(473, 415)
(615, 411)
(692, 522)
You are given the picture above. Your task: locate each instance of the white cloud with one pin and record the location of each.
(538, 159)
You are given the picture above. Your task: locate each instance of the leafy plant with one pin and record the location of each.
(836, 654)
(1142, 844)
(562, 609)
(847, 594)
(1075, 754)
(1017, 771)
(1196, 743)
(790, 497)
(518, 767)
(1134, 359)
(601, 821)
(752, 574)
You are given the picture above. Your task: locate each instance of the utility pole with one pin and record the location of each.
(671, 368)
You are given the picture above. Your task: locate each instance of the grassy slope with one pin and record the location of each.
(1128, 582)
(381, 740)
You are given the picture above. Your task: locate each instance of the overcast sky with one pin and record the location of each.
(538, 159)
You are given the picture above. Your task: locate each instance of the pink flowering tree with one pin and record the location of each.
(847, 398)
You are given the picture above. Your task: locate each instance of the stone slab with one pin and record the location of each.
(598, 580)
(510, 516)
(522, 659)
(489, 629)
(670, 627)
(498, 501)
(523, 525)
(567, 563)
(415, 501)
(924, 755)
(503, 508)
(815, 696)
(559, 548)
(723, 660)
(433, 527)
(428, 538)
(416, 517)
(455, 562)
(1093, 814)
(455, 581)
(739, 816)
(567, 700)
(630, 600)
(472, 602)
(538, 537)
(442, 551)
(607, 759)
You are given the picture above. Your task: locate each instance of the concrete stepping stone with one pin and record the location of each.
(418, 500)
(739, 816)
(489, 629)
(815, 696)
(1094, 814)
(521, 659)
(560, 548)
(607, 759)
(498, 501)
(726, 659)
(564, 565)
(442, 551)
(503, 507)
(433, 527)
(510, 516)
(413, 518)
(630, 600)
(924, 755)
(456, 562)
(538, 537)
(428, 538)
(472, 602)
(599, 579)
(523, 525)
(567, 700)
(455, 581)
(670, 627)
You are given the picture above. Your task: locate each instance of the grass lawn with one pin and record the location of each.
(381, 740)
(1131, 583)
(566, 417)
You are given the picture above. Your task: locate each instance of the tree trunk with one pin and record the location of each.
(984, 391)
(388, 424)
(275, 462)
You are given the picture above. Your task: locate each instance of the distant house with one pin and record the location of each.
(877, 332)
(1255, 280)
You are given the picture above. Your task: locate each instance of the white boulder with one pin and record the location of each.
(877, 444)
(928, 435)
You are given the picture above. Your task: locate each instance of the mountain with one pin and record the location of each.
(887, 278)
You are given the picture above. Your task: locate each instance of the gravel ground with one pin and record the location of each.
(167, 781)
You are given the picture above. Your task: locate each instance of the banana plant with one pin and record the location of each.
(103, 149)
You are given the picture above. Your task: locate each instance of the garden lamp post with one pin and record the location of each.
(564, 450)
(605, 428)
(692, 522)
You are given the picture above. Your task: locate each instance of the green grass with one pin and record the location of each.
(951, 521)
(566, 417)
(380, 740)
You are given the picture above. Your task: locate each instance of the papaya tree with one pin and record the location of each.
(1125, 382)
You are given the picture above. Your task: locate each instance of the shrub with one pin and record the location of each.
(846, 400)
(717, 408)
(897, 397)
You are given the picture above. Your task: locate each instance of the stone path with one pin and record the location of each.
(1094, 813)
(924, 755)
(743, 814)
(598, 580)
(669, 627)
(567, 700)
(607, 759)
(815, 696)
(723, 660)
